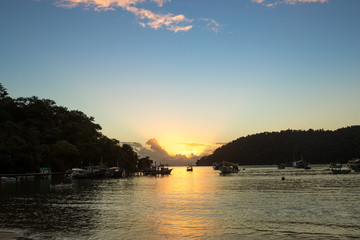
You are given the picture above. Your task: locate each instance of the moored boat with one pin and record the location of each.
(161, 169)
(8, 179)
(335, 165)
(281, 166)
(228, 167)
(164, 169)
(115, 172)
(301, 164)
(340, 170)
(354, 164)
(216, 166)
(89, 172)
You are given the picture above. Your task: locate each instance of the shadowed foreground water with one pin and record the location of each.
(252, 204)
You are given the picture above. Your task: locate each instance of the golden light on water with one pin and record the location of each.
(183, 192)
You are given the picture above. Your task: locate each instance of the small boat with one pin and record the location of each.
(228, 167)
(8, 179)
(162, 169)
(301, 164)
(337, 168)
(281, 166)
(189, 168)
(335, 165)
(77, 173)
(340, 170)
(90, 172)
(115, 172)
(354, 164)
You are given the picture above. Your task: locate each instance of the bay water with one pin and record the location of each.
(259, 202)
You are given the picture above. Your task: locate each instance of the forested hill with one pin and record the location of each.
(37, 133)
(286, 146)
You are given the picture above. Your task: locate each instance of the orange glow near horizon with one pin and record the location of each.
(187, 149)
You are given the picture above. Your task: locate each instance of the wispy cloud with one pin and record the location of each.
(272, 3)
(212, 24)
(147, 18)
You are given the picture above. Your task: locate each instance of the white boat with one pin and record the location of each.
(189, 168)
(162, 169)
(90, 172)
(340, 170)
(301, 164)
(8, 179)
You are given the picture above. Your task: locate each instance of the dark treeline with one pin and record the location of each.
(37, 133)
(286, 146)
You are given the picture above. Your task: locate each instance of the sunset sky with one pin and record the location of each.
(184, 76)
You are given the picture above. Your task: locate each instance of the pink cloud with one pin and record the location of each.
(157, 21)
(153, 20)
(272, 3)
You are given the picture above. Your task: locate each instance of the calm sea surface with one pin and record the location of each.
(252, 204)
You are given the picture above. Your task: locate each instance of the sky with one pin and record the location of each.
(179, 78)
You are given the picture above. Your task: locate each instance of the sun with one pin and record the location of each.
(187, 149)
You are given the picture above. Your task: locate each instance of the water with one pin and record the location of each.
(252, 204)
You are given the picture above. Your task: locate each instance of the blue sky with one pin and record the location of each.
(188, 74)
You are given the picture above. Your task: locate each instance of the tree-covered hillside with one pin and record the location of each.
(37, 133)
(286, 146)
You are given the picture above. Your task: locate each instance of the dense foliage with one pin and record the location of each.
(37, 133)
(286, 146)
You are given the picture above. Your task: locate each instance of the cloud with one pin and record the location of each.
(157, 21)
(169, 21)
(157, 153)
(157, 149)
(212, 24)
(272, 3)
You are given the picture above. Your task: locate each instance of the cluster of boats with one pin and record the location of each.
(335, 168)
(95, 172)
(352, 165)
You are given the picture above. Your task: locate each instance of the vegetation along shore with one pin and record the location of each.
(37, 133)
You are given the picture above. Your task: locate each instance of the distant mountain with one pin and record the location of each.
(314, 146)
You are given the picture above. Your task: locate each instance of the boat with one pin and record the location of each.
(228, 167)
(77, 173)
(115, 172)
(216, 166)
(89, 172)
(335, 165)
(281, 166)
(161, 169)
(337, 168)
(301, 164)
(354, 164)
(164, 169)
(189, 168)
(8, 179)
(340, 170)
